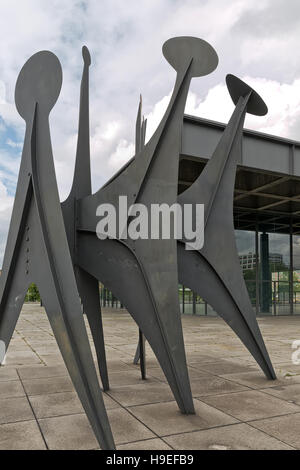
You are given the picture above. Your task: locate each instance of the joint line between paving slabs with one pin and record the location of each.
(35, 417)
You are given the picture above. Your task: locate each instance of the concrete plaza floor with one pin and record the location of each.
(236, 407)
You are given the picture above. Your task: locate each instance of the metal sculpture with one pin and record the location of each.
(214, 272)
(56, 247)
(143, 273)
(37, 248)
(216, 267)
(88, 286)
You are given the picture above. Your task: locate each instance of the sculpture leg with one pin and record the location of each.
(137, 352)
(193, 266)
(10, 308)
(89, 292)
(142, 354)
(112, 263)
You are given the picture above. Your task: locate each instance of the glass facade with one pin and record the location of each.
(270, 263)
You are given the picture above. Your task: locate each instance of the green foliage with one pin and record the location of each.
(33, 294)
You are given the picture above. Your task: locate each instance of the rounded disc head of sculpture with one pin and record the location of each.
(38, 82)
(86, 56)
(181, 50)
(238, 88)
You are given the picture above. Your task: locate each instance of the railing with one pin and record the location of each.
(274, 298)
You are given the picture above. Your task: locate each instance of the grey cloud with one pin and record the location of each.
(274, 17)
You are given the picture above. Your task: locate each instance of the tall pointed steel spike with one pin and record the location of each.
(88, 287)
(148, 268)
(216, 267)
(144, 128)
(138, 141)
(37, 248)
(139, 145)
(203, 272)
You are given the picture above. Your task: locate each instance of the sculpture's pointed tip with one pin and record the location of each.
(238, 88)
(86, 56)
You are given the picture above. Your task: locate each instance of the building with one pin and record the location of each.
(266, 209)
(266, 215)
(249, 260)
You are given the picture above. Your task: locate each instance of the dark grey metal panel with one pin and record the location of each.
(88, 286)
(296, 160)
(37, 248)
(151, 177)
(260, 151)
(214, 272)
(266, 155)
(199, 140)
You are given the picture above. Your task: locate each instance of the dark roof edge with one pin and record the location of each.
(261, 135)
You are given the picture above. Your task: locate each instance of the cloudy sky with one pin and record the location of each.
(258, 41)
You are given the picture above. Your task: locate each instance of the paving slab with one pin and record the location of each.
(126, 428)
(290, 393)
(286, 428)
(149, 444)
(21, 436)
(224, 367)
(143, 393)
(255, 379)
(251, 405)
(15, 409)
(8, 373)
(11, 388)
(165, 418)
(56, 404)
(48, 385)
(128, 377)
(19, 358)
(212, 385)
(234, 437)
(42, 371)
(71, 432)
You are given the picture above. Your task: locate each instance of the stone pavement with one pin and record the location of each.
(236, 407)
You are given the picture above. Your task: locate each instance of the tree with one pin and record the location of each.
(33, 294)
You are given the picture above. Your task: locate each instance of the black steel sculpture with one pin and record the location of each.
(37, 248)
(143, 273)
(55, 245)
(216, 267)
(88, 286)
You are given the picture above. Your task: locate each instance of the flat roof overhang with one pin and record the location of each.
(267, 186)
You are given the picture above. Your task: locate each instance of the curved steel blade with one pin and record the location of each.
(88, 287)
(37, 248)
(214, 272)
(151, 178)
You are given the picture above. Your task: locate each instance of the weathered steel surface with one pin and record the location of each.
(142, 274)
(214, 272)
(37, 248)
(88, 286)
(56, 247)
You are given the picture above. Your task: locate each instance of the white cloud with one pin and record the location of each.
(282, 99)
